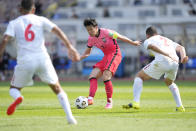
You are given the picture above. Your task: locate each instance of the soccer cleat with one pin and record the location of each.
(108, 106)
(180, 109)
(13, 106)
(135, 105)
(90, 101)
(72, 121)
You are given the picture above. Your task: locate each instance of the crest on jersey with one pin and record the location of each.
(104, 40)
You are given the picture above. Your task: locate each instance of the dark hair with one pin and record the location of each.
(151, 31)
(27, 4)
(90, 22)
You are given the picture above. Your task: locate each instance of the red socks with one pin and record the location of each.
(93, 86)
(109, 90)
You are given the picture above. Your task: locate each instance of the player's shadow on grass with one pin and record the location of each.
(10, 125)
(188, 107)
(40, 108)
(105, 112)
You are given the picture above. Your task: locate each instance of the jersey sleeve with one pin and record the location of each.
(175, 44)
(89, 44)
(146, 43)
(47, 24)
(10, 30)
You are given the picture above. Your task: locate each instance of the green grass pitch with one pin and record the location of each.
(41, 111)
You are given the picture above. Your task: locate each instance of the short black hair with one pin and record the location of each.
(27, 4)
(151, 31)
(90, 22)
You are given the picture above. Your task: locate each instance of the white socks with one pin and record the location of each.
(176, 94)
(62, 96)
(90, 97)
(15, 93)
(137, 89)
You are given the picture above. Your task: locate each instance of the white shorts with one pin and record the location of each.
(156, 69)
(25, 71)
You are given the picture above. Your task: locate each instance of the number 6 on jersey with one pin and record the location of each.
(29, 34)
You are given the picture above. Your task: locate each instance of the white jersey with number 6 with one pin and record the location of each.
(32, 56)
(29, 33)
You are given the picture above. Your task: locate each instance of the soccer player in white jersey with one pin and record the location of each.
(165, 63)
(32, 56)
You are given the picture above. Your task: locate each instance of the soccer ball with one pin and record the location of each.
(81, 102)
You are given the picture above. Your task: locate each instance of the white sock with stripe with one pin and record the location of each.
(137, 89)
(62, 96)
(176, 94)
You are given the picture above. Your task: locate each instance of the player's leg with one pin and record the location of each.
(170, 76)
(48, 74)
(137, 89)
(176, 94)
(138, 85)
(110, 64)
(23, 74)
(18, 98)
(107, 75)
(95, 74)
(63, 99)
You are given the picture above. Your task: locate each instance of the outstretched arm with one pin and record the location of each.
(3, 44)
(156, 49)
(72, 52)
(86, 53)
(127, 40)
(181, 50)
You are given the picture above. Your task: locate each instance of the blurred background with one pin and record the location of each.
(175, 19)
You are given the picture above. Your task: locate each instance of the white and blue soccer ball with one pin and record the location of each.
(81, 102)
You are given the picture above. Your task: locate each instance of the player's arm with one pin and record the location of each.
(3, 44)
(72, 52)
(86, 53)
(182, 52)
(156, 49)
(123, 38)
(127, 40)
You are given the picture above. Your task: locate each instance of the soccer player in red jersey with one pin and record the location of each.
(106, 40)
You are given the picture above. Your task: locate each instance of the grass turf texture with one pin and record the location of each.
(41, 110)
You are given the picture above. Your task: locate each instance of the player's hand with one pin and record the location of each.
(73, 54)
(137, 43)
(173, 58)
(184, 60)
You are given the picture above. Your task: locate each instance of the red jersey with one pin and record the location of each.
(105, 42)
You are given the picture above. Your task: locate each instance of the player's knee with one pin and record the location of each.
(106, 77)
(93, 75)
(168, 82)
(56, 88)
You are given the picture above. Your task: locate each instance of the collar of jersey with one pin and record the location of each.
(99, 30)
